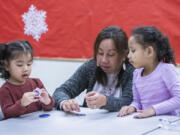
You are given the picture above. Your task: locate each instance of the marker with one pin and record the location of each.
(45, 115)
(80, 114)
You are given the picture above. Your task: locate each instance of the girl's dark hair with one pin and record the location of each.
(120, 40)
(151, 36)
(11, 51)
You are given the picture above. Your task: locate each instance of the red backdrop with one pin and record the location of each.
(73, 24)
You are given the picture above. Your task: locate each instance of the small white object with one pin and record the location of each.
(34, 21)
(124, 66)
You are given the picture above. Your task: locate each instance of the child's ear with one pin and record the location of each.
(150, 51)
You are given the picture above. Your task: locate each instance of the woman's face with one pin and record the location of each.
(108, 57)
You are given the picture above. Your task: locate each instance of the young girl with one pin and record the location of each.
(156, 83)
(20, 94)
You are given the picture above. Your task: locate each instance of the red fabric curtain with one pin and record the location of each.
(72, 25)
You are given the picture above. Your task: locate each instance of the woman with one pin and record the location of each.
(107, 76)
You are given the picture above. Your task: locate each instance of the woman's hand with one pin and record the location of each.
(95, 100)
(28, 98)
(145, 113)
(125, 110)
(70, 105)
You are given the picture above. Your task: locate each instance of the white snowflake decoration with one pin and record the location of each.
(34, 21)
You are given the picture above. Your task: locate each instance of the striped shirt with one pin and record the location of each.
(160, 89)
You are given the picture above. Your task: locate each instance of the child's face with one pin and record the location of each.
(137, 54)
(107, 56)
(19, 69)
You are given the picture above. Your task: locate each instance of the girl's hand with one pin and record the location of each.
(95, 100)
(145, 113)
(44, 97)
(125, 110)
(70, 105)
(28, 98)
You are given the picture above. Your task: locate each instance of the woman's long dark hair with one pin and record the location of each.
(120, 40)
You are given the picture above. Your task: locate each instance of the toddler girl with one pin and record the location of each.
(20, 94)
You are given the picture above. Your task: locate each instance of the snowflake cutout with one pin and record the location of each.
(34, 21)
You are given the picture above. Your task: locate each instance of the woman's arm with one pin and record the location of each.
(77, 83)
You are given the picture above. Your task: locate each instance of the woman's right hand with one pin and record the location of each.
(28, 98)
(125, 110)
(70, 105)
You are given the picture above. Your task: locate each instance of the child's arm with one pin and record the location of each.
(136, 106)
(11, 108)
(125, 110)
(28, 98)
(46, 100)
(136, 98)
(171, 79)
(145, 113)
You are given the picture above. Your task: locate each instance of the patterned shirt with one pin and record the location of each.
(110, 89)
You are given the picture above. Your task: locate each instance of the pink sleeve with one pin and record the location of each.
(171, 79)
(136, 99)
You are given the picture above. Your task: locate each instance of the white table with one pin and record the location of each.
(96, 122)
